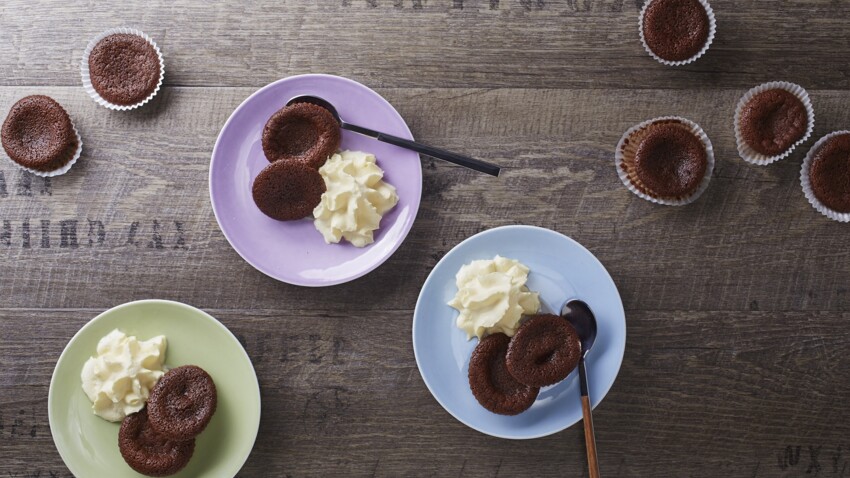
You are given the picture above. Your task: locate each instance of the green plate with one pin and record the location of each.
(89, 445)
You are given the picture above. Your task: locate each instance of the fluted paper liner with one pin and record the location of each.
(805, 181)
(747, 153)
(624, 160)
(712, 30)
(85, 74)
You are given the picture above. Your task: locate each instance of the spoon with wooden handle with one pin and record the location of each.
(580, 316)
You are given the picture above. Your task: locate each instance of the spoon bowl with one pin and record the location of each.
(578, 313)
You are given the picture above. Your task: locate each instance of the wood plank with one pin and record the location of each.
(419, 43)
(701, 393)
(752, 242)
(736, 305)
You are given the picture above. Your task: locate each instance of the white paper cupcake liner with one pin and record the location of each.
(712, 30)
(64, 169)
(747, 153)
(619, 158)
(84, 69)
(805, 181)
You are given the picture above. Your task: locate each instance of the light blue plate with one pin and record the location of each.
(561, 269)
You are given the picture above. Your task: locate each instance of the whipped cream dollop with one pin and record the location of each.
(356, 198)
(118, 380)
(492, 297)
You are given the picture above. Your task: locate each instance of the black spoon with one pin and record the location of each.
(455, 158)
(580, 316)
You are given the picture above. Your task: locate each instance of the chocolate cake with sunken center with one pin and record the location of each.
(147, 451)
(182, 403)
(829, 173)
(38, 134)
(303, 133)
(670, 161)
(544, 350)
(491, 383)
(772, 121)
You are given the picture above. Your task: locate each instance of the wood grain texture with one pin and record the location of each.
(737, 305)
(699, 394)
(426, 43)
(752, 242)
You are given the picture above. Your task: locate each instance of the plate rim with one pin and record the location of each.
(420, 299)
(408, 135)
(50, 392)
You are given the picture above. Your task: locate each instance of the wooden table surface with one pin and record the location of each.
(738, 306)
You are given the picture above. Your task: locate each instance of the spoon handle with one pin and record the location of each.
(589, 437)
(438, 153)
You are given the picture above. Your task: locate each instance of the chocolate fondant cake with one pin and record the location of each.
(124, 69)
(544, 350)
(772, 121)
(670, 161)
(287, 190)
(829, 173)
(675, 30)
(302, 133)
(182, 403)
(147, 451)
(38, 134)
(491, 383)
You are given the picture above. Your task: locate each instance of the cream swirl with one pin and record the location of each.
(492, 297)
(118, 380)
(356, 199)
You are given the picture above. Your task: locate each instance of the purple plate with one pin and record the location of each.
(295, 251)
